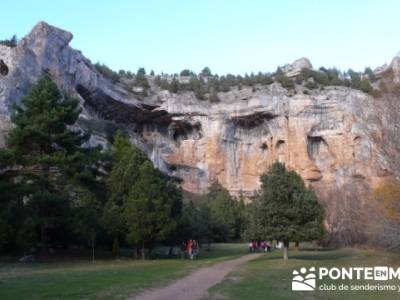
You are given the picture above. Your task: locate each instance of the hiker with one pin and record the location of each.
(195, 249)
(255, 246)
(268, 246)
(190, 249)
(183, 249)
(263, 245)
(251, 247)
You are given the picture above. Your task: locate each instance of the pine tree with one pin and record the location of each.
(48, 158)
(287, 210)
(143, 205)
(126, 160)
(151, 208)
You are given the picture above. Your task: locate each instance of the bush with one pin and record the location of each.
(321, 77)
(214, 97)
(197, 86)
(311, 85)
(174, 86)
(365, 86)
(107, 72)
(285, 81)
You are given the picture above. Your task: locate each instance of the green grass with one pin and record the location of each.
(107, 279)
(269, 277)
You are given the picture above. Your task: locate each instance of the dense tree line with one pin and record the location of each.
(56, 191)
(217, 217)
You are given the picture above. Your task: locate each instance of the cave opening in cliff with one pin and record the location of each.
(254, 120)
(180, 131)
(314, 146)
(280, 144)
(264, 147)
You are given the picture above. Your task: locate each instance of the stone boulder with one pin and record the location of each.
(294, 69)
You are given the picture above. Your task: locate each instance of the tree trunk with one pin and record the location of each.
(285, 250)
(93, 257)
(43, 238)
(143, 252)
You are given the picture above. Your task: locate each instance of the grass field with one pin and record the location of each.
(107, 279)
(269, 277)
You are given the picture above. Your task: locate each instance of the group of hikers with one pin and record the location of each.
(190, 249)
(259, 246)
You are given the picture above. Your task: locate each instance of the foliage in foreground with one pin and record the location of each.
(47, 176)
(143, 204)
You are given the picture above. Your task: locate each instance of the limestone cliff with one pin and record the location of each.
(330, 136)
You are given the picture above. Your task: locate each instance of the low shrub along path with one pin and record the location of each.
(195, 285)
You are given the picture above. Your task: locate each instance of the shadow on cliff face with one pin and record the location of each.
(3, 68)
(144, 118)
(111, 109)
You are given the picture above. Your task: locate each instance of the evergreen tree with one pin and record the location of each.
(141, 79)
(222, 211)
(286, 209)
(126, 161)
(186, 72)
(143, 205)
(151, 208)
(206, 72)
(46, 162)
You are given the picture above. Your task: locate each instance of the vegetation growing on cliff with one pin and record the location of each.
(11, 42)
(107, 72)
(207, 85)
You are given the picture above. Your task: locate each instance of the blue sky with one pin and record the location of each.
(228, 36)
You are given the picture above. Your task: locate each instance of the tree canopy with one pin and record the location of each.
(286, 210)
(46, 164)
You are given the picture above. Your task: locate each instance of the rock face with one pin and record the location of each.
(294, 69)
(328, 136)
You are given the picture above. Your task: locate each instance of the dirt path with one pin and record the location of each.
(195, 285)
